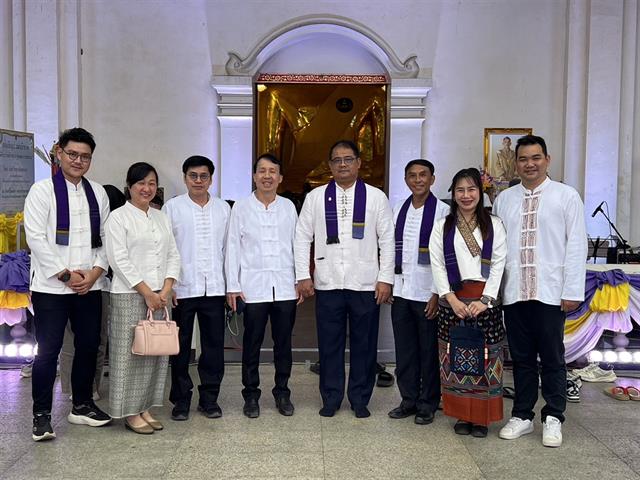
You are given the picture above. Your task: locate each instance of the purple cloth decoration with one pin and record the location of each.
(595, 281)
(451, 261)
(331, 211)
(426, 225)
(14, 272)
(62, 211)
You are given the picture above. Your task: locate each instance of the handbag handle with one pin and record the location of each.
(150, 316)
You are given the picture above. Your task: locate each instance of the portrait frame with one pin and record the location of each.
(493, 138)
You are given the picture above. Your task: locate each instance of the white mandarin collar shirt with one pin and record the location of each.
(48, 258)
(560, 253)
(259, 255)
(351, 264)
(470, 267)
(416, 281)
(200, 234)
(140, 248)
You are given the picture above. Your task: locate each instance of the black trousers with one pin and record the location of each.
(334, 310)
(417, 363)
(282, 315)
(51, 314)
(537, 329)
(211, 321)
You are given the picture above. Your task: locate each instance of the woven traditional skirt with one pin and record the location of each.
(136, 383)
(475, 399)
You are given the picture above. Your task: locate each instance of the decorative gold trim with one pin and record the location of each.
(320, 78)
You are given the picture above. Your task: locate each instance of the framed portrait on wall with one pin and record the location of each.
(499, 153)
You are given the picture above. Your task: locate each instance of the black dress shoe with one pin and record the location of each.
(251, 408)
(402, 412)
(462, 428)
(211, 411)
(327, 411)
(479, 431)
(385, 379)
(179, 414)
(285, 407)
(423, 418)
(361, 412)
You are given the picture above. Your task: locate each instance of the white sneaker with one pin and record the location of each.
(515, 428)
(580, 371)
(551, 432)
(597, 374)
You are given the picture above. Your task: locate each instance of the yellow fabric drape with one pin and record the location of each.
(12, 300)
(611, 299)
(571, 326)
(9, 231)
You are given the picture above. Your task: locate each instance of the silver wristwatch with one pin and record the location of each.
(488, 301)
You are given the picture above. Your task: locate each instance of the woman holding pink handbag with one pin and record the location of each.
(145, 261)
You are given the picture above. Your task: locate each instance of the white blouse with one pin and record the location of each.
(140, 248)
(49, 258)
(200, 234)
(416, 281)
(470, 267)
(259, 256)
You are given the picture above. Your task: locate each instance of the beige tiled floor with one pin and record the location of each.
(602, 441)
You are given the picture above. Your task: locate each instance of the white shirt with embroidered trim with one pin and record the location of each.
(200, 234)
(470, 267)
(556, 251)
(416, 281)
(140, 248)
(259, 255)
(352, 264)
(48, 258)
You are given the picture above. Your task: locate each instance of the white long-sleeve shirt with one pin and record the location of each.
(140, 248)
(47, 258)
(416, 281)
(546, 242)
(470, 267)
(259, 255)
(352, 264)
(200, 234)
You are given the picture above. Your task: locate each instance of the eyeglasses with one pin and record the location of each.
(345, 160)
(203, 177)
(73, 156)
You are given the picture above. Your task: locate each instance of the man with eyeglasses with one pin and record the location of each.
(352, 226)
(64, 219)
(199, 223)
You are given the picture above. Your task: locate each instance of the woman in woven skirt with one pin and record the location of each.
(468, 250)
(145, 261)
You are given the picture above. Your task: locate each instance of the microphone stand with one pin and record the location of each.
(621, 241)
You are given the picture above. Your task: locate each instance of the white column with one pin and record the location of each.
(19, 70)
(70, 86)
(635, 177)
(627, 105)
(235, 139)
(6, 61)
(576, 94)
(42, 75)
(408, 99)
(603, 112)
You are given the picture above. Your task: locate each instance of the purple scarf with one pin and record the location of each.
(451, 261)
(426, 225)
(62, 211)
(331, 211)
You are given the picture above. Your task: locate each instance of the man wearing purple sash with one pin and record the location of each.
(352, 226)
(415, 303)
(64, 220)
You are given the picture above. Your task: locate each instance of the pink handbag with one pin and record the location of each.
(155, 337)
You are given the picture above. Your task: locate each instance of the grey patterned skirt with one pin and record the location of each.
(136, 383)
